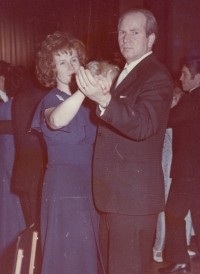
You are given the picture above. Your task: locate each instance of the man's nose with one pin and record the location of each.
(181, 77)
(126, 37)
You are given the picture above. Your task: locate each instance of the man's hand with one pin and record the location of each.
(97, 90)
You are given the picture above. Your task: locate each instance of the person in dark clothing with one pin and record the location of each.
(11, 217)
(184, 119)
(128, 182)
(30, 153)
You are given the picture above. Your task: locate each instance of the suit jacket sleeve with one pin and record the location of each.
(145, 108)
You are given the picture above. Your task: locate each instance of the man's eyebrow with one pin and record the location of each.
(130, 29)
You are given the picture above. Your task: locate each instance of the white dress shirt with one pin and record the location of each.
(125, 72)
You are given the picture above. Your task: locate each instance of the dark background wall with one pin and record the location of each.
(25, 23)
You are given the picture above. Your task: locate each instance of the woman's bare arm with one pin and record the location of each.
(60, 116)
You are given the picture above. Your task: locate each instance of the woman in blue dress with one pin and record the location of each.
(69, 221)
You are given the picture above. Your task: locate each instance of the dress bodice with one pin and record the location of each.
(72, 143)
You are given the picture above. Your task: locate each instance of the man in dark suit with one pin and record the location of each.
(127, 174)
(184, 193)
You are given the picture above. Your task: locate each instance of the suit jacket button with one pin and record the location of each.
(99, 134)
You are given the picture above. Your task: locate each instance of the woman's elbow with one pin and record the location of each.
(54, 123)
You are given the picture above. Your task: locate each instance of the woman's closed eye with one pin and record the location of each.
(74, 60)
(61, 63)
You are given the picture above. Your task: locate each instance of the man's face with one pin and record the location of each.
(188, 82)
(132, 38)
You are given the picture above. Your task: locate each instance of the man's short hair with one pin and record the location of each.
(151, 23)
(193, 65)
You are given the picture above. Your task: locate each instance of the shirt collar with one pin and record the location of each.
(130, 66)
(193, 89)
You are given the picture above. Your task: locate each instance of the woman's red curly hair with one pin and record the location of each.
(59, 42)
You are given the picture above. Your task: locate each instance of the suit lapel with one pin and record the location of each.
(131, 77)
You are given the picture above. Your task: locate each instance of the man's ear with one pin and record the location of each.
(151, 39)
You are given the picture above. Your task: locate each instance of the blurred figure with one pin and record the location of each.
(11, 216)
(5, 125)
(30, 155)
(100, 69)
(184, 192)
(118, 59)
(3, 70)
(166, 165)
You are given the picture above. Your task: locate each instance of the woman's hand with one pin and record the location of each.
(97, 90)
(175, 100)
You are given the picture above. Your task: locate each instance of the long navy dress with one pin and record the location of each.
(69, 221)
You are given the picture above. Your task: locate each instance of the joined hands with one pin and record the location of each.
(96, 88)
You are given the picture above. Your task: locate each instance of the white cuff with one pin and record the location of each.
(102, 110)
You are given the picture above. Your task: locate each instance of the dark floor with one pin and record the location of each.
(6, 262)
(153, 266)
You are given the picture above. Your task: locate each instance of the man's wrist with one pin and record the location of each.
(105, 104)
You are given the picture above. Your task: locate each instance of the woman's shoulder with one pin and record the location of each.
(52, 93)
(53, 98)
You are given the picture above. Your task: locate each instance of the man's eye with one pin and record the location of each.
(121, 33)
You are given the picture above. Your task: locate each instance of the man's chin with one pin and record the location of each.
(126, 52)
(184, 88)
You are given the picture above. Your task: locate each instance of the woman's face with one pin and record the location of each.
(67, 64)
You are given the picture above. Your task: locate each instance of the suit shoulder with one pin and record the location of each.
(156, 66)
(155, 70)
(195, 93)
